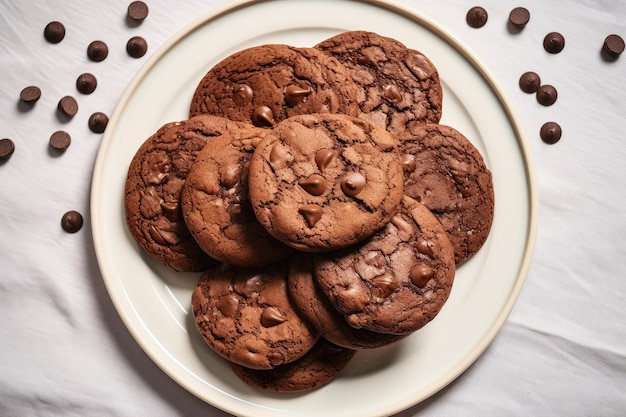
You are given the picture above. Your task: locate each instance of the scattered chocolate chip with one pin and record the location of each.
(614, 45)
(7, 147)
(72, 221)
(295, 94)
(529, 82)
(54, 32)
(519, 17)
(546, 95)
(550, 132)
(136, 47)
(97, 51)
(476, 17)
(68, 106)
(554, 42)
(98, 122)
(86, 83)
(60, 140)
(263, 116)
(138, 10)
(30, 94)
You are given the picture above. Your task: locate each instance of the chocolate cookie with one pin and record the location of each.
(267, 83)
(446, 173)
(399, 86)
(318, 367)
(396, 281)
(246, 316)
(153, 187)
(215, 203)
(317, 309)
(325, 181)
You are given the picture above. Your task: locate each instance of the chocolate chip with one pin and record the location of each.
(137, 11)
(98, 122)
(314, 185)
(72, 221)
(311, 213)
(295, 94)
(60, 140)
(68, 106)
(421, 274)
(324, 157)
(353, 184)
(97, 51)
(7, 147)
(476, 17)
(136, 47)
(529, 82)
(613, 45)
(262, 116)
(546, 95)
(550, 132)
(54, 32)
(30, 94)
(86, 83)
(554, 42)
(519, 17)
(408, 163)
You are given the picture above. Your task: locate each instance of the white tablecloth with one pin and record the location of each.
(64, 350)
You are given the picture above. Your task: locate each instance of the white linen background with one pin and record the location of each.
(64, 351)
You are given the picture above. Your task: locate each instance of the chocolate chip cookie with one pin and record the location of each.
(153, 186)
(398, 280)
(318, 367)
(399, 86)
(325, 181)
(445, 172)
(265, 84)
(246, 316)
(215, 203)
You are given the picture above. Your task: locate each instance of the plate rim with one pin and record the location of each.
(405, 11)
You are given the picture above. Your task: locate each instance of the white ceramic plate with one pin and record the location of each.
(154, 301)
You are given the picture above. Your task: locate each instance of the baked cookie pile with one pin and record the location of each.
(323, 203)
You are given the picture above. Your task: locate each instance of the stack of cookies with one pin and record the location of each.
(323, 203)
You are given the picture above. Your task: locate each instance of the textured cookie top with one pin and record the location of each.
(246, 316)
(446, 173)
(396, 281)
(267, 83)
(215, 203)
(322, 181)
(153, 186)
(399, 86)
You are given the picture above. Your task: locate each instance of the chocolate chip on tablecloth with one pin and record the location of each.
(97, 51)
(519, 17)
(550, 132)
(546, 95)
(476, 17)
(613, 45)
(98, 122)
(136, 47)
(54, 32)
(68, 106)
(30, 94)
(553, 42)
(529, 82)
(7, 147)
(60, 140)
(86, 83)
(72, 221)
(137, 11)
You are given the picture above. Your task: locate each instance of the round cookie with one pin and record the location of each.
(315, 307)
(246, 316)
(153, 186)
(268, 83)
(399, 86)
(396, 281)
(318, 367)
(325, 181)
(446, 173)
(215, 203)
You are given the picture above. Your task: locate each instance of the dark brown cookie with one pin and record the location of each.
(267, 83)
(153, 187)
(399, 86)
(446, 173)
(246, 316)
(325, 181)
(215, 203)
(318, 367)
(398, 280)
(315, 307)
